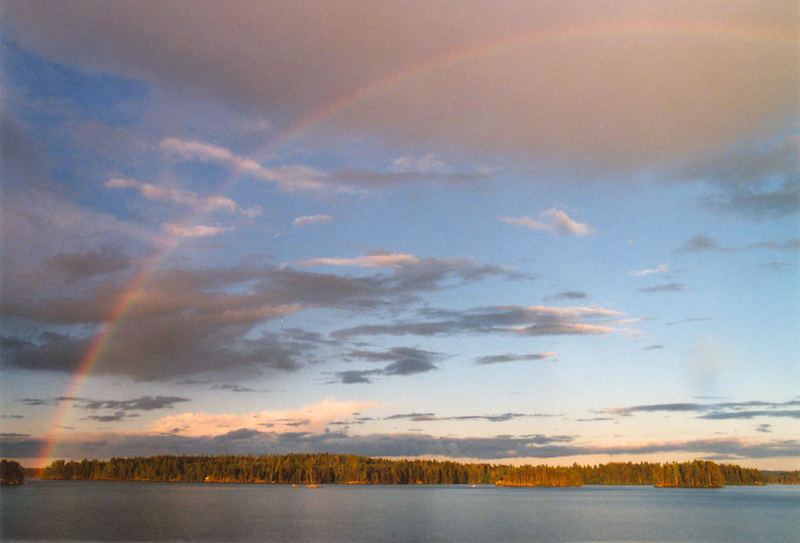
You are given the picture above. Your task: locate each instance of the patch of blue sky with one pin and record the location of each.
(110, 99)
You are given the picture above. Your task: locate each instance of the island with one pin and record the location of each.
(11, 473)
(324, 468)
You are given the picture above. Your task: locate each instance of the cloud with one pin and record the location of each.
(309, 418)
(252, 441)
(404, 361)
(520, 320)
(182, 197)
(687, 320)
(191, 321)
(373, 260)
(557, 222)
(653, 347)
(426, 164)
(313, 219)
(752, 181)
(76, 266)
(115, 417)
(702, 242)
(718, 411)
(649, 99)
(196, 231)
(666, 287)
(431, 417)
(509, 357)
(232, 388)
(568, 295)
(303, 178)
(118, 409)
(661, 268)
(143, 403)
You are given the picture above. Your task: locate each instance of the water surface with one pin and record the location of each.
(125, 511)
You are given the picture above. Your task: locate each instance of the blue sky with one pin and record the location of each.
(540, 232)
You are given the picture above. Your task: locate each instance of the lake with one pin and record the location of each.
(126, 511)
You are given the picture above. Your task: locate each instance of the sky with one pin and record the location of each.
(521, 232)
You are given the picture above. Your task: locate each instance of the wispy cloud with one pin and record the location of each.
(404, 361)
(511, 357)
(553, 220)
(308, 220)
(312, 418)
(373, 260)
(182, 197)
(666, 287)
(718, 411)
(701, 242)
(568, 295)
(195, 231)
(519, 320)
(661, 268)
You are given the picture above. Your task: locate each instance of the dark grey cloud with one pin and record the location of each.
(76, 266)
(511, 357)
(232, 388)
(350, 377)
(408, 367)
(764, 428)
(653, 347)
(520, 320)
(666, 287)
(568, 295)
(10, 416)
(757, 182)
(701, 242)
(772, 413)
(191, 321)
(431, 417)
(124, 407)
(143, 403)
(404, 361)
(357, 177)
(391, 445)
(115, 417)
(717, 411)
(412, 416)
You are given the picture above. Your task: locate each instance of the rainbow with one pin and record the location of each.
(645, 28)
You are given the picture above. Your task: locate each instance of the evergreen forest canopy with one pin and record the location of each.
(351, 469)
(11, 473)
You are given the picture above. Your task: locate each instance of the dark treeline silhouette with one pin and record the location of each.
(350, 469)
(11, 473)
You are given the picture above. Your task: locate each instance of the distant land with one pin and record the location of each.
(317, 469)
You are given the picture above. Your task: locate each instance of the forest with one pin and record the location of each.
(11, 473)
(351, 469)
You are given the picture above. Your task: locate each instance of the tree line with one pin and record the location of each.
(11, 473)
(326, 468)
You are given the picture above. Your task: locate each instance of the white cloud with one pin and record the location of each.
(182, 197)
(429, 163)
(312, 418)
(367, 261)
(566, 226)
(313, 219)
(553, 220)
(661, 268)
(288, 178)
(197, 231)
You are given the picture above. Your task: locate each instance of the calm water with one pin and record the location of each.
(110, 511)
